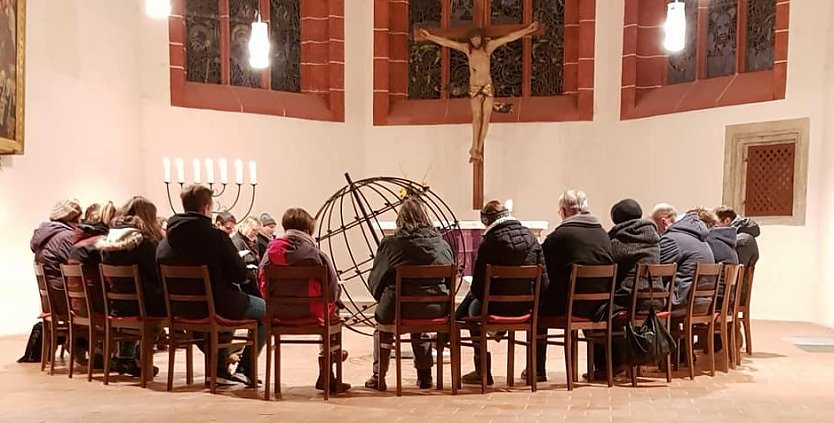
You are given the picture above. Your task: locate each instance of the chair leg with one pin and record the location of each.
(485, 364)
(532, 367)
(669, 368)
(569, 359)
(328, 364)
(253, 358)
(278, 366)
(213, 353)
(748, 340)
(72, 350)
(108, 341)
(189, 363)
(711, 347)
(454, 351)
(92, 342)
(439, 349)
(52, 347)
(172, 355)
(725, 346)
(398, 350)
(632, 374)
(339, 360)
(690, 353)
(575, 352)
(268, 375)
(145, 355)
(589, 354)
(609, 361)
(45, 342)
(511, 359)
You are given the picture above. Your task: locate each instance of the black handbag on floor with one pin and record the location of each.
(33, 346)
(649, 343)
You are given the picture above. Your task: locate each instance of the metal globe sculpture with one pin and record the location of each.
(350, 227)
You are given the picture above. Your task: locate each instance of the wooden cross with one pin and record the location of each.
(481, 15)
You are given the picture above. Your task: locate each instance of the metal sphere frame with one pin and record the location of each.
(358, 206)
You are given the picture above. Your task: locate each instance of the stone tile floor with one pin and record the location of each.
(780, 382)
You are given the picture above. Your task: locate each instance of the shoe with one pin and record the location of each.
(474, 378)
(98, 361)
(241, 377)
(424, 379)
(224, 378)
(335, 386)
(600, 374)
(129, 367)
(375, 383)
(540, 377)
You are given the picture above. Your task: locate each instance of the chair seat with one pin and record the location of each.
(560, 321)
(663, 314)
(500, 319)
(423, 322)
(222, 321)
(305, 321)
(44, 315)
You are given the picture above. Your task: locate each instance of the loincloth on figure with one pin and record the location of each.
(484, 90)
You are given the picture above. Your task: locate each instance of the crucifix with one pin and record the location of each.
(480, 41)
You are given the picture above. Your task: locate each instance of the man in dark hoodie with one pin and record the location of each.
(685, 243)
(579, 239)
(415, 242)
(193, 241)
(747, 231)
(52, 243)
(506, 242)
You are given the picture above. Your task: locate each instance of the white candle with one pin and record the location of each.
(253, 172)
(239, 172)
(210, 171)
(180, 169)
(224, 171)
(166, 169)
(197, 165)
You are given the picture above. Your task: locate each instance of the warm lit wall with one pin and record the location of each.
(82, 131)
(124, 76)
(826, 280)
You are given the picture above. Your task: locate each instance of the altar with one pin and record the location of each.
(473, 232)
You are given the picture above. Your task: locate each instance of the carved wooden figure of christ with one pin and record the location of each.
(481, 42)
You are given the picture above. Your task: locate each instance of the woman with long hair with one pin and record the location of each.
(415, 242)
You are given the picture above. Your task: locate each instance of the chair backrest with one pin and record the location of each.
(43, 291)
(511, 277)
(704, 290)
(732, 274)
(188, 292)
(122, 284)
(591, 285)
(75, 288)
(746, 288)
(414, 274)
(665, 273)
(281, 294)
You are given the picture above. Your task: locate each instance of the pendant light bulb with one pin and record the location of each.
(158, 9)
(259, 44)
(675, 27)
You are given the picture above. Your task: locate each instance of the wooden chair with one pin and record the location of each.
(53, 325)
(726, 317)
(638, 313)
(191, 285)
(446, 324)
(81, 314)
(141, 327)
(488, 323)
(328, 330)
(743, 309)
(593, 291)
(705, 283)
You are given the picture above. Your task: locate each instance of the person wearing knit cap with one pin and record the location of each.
(266, 233)
(52, 242)
(506, 242)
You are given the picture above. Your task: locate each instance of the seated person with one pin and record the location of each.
(684, 243)
(506, 242)
(191, 240)
(415, 242)
(245, 240)
(298, 248)
(133, 242)
(746, 246)
(266, 234)
(579, 239)
(226, 222)
(52, 243)
(93, 227)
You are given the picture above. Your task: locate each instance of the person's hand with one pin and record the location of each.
(534, 26)
(423, 33)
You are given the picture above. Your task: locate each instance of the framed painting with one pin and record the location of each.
(12, 30)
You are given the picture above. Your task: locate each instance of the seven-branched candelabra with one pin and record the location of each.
(218, 189)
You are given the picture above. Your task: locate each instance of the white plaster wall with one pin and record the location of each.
(82, 131)
(117, 58)
(826, 233)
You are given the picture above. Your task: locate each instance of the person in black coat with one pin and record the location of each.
(506, 242)
(579, 239)
(634, 241)
(415, 242)
(685, 243)
(266, 234)
(747, 232)
(191, 240)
